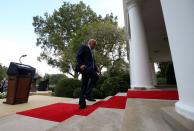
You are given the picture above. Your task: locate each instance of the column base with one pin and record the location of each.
(185, 110)
(142, 87)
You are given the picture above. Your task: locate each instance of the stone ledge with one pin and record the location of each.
(44, 93)
(177, 121)
(145, 115)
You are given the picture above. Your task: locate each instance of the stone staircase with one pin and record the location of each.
(176, 121)
(154, 115)
(103, 119)
(145, 115)
(139, 115)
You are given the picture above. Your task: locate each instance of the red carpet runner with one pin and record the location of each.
(56, 112)
(61, 111)
(117, 102)
(154, 94)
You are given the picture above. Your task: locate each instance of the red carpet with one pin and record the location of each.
(117, 102)
(90, 109)
(61, 111)
(56, 112)
(154, 94)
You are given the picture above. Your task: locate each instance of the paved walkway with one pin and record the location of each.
(33, 102)
(9, 120)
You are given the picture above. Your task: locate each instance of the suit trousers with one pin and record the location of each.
(88, 81)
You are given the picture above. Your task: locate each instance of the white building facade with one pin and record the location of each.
(159, 31)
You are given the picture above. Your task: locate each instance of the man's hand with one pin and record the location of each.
(82, 67)
(98, 70)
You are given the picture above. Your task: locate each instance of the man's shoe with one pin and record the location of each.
(82, 106)
(90, 99)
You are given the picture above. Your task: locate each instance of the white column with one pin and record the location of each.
(139, 58)
(154, 80)
(179, 20)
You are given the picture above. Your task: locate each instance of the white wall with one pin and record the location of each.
(179, 20)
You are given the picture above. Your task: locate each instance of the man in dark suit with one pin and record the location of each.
(86, 66)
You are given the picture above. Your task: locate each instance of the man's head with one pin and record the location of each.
(92, 43)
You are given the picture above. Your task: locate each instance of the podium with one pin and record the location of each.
(19, 82)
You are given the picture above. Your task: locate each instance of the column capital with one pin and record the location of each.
(133, 3)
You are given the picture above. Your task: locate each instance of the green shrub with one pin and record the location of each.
(113, 83)
(110, 86)
(161, 80)
(76, 92)
(96, 93)
(100, 81)
(123, 86)
(53, 94)
(65, 87)
(170, 76)
(52, 88)
(3, 95)
(126, 78)
(55, 78)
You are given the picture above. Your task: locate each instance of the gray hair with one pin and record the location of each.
(91, 40)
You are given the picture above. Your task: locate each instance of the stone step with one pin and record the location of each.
(176, 121)
(145, 115)
(69, 124)
(103, 119)
(24, 123)
(100, 120)
(121, 94)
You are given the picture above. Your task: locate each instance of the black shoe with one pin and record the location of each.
(82, 106)
(90, 99)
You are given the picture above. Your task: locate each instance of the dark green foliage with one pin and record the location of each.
(126, 77)
(119, 67)
(96, 93)
(170, 76)
(113, 82)
(66, 87)
(3, 95)
(110, 86)
(100, 82)
(3, 72)
(61, 33)
(55, 32)
(162, 66)
(166, 74)
(123, 86)
(76, 92)
(110, 42)
(52, 88)
(161, 80)
(106, 86)
(55, 78)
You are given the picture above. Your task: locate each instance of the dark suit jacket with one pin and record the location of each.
(84, 57)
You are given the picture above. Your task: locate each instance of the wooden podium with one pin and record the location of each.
(19, 83)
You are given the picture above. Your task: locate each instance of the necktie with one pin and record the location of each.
(92, 59)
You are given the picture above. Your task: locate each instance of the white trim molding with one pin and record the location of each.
(185, 110)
